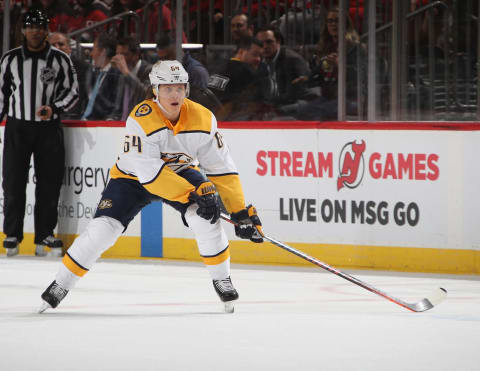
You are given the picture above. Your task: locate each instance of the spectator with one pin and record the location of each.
(59, 12)
(134, 70)
(197, 73)
(168, 23)
(301, 26)
(62, 42)
(200, 31)
(240, 26)
(104, 95)
(282, 68)
(236, 82)
(325, 73)
(120, 6)
(238, 73)
(127, 26)
(33, 101)
(89, 12)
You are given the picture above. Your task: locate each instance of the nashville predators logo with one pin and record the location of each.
(47, 75)
(143, 110)
(105, 204)
(176, 161)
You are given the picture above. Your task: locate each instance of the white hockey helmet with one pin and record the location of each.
(168, 72)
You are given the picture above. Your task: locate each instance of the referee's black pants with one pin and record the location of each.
(45, 141)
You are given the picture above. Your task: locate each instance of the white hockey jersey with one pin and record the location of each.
(155, 151)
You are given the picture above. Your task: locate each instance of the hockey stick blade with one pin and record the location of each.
(423, 305)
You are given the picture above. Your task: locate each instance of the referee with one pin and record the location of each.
(37, 83)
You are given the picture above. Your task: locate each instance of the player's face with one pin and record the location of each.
(35, 36)
(270, 43)
(171, 98)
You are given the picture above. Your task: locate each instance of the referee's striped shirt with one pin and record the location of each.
(29, 80)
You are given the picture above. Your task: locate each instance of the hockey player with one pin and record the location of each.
(165, 137)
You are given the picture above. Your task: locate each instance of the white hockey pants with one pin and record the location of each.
(212, 243)
(101, 233)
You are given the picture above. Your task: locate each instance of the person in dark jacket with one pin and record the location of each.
(104, 95)
(282, 68)
(236, 82)
(134, 82)
(198, 74)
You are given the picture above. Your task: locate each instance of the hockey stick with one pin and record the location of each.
(423, 305)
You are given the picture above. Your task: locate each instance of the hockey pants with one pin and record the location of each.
(102, 232)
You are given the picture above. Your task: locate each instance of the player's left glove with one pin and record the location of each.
(248, 225)
(207, 201)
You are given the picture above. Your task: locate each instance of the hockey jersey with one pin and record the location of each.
(155, 151)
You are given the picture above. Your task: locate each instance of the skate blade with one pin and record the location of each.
(229, 307)
(55, 252)
(44, 307)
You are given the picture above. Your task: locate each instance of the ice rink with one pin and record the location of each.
(164, 315)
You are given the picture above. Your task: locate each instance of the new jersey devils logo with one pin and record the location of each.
(351, 165)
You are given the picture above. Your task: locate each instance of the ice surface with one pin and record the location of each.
(164, 315)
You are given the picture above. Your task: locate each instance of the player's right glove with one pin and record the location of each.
(207, 201)
(248, 224)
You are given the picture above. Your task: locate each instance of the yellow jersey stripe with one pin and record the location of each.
(73, 266)
(170, 186)
(230, 190)
(152, 120)
(115, 173)
(194, 118)
(218, 258)
(148, 115)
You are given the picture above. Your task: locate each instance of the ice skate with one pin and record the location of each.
(55, 252)
(226, 292)
(40, 250)
(52, 296)
(11, 245)
(55, 245)
(52, 242)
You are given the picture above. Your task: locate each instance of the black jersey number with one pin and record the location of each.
(219, 139)
(132, 142)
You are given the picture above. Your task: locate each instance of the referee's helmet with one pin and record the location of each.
(35, 17)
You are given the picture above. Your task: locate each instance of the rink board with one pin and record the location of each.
(383, 196)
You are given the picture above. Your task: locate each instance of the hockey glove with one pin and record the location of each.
(248, 224)
(207, 201)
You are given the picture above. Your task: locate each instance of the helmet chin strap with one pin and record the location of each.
(158, 102)
(161, 107)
